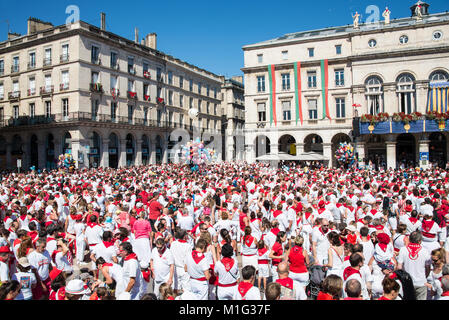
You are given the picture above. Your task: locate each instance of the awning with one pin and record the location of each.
(438, 97)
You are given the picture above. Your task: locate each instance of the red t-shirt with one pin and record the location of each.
(155, 210)
(278, 251)
(144, 196)
(296, 260)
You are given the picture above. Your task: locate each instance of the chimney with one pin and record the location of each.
(103, 21)
(12, 35)
(136, 35)
(151, 41)
(238, 79)
(36, 25)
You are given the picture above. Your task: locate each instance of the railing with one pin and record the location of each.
(115, 93)
(31, 65)
(2, 72)
(64, 58)
(47, 62)
(47, 90)
(63, 87)
(132, 70)
(14, 95)
(132, 95)
(96, 87)
(31, 92)
(89, 117)
(15, 69)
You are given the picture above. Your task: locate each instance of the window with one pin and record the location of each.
(145, 67)
(374, 95)
(340, 104)
(200, 102)
(260, 58)
(65, 108)
(207, 90)
(181, 101)
(437, 35)
(159, 74)
(181, 82)
(32, 61)
(339, 77)
(372, 43)
(15, 86)
(199, 87)
(191, 85)
(406, 93)
(159, 92)
(403, 39)
(159, 116)
(114, 82)
(32, 86)
(170, 118)
(145, 115)
(95, 77)
(64, 80)
(338, 49)
(262, 112)
(2, 91)
(261, 84)
(47, 82)
(286, 111)
(170, 77)
(131, 85)
(32, 110)
(285, 81)
(284, 55)
(15, 64)
(215, 109)
(15, 112)
(65, 53)
(95, 108)
(95, 55)
(47, 57)
(311, 79)
(2, 67)
(146, 92)
(113, 111)
(313, 109)
(131, 65)
(114, 60)
(130, 114)
(439, 76)
(215, 93)
(181, 119)
(207, 107)
(48, 109)
(191, 103)
(311, 52)
(170, 97)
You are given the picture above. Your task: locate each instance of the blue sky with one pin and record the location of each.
(208, 34)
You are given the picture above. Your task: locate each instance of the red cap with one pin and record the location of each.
(54, 273)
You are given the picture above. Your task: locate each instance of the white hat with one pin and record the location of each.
(75, 286)
(24, 262)
(351, 228)
(123, 296)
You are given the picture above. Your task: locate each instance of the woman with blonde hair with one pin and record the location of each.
(434, 284)
(25, 248)
(331, 288)
(166, 292)
(298, 260)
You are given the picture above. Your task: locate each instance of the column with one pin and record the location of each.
(424, 153)
(152, 151)
(9, 163)
(421, 97)
(391, 154)
(327, 153)
(299, 148)
(250, 153)
(138, 161)
(105, 154)
(122, 155)
(360, 149)
(41, 154)
(76, 154)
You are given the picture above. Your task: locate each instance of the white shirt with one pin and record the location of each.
(161, 264)
(322, 243)
(26, 280)
(41, 262)
(196, 270)
(4, 272)
(94, 235)
(185, 222)
(62, 263)
(415, 266)
(252, 294)
(227, 277)
(131, 269)
(180, 251)
(107, 254)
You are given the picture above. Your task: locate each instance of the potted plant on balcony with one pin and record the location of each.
(439, 117)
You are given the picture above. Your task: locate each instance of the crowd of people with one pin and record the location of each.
(228, 231)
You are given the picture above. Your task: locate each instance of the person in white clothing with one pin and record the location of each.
(26, 278)
(132, 275)
(180, 249)
(113, 275)
(162, 266)
(445, 288)
(197, 267)
(416, 260)
(245, 290)
(94, 232)
(320, 243)
(227, 271)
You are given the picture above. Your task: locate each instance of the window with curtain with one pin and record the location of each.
(406, 93)
(374, 95)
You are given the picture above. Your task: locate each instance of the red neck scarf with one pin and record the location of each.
(349, 271)
(445, 294)
(286, 282)
(262, 251)
(248, 240)
(324, 296)
(277, 213)
(321, 230)
(243, 288)
(321, 210)
(92, 224)
(412, 220)
(108, 244)
(275, 231)
(427, 225)
(196, 256)
(228, 263)
(131, 256)
(413, 250)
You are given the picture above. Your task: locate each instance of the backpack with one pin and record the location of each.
(408, 289)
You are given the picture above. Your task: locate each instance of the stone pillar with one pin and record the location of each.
(122, 155)
(152, 151)
(41, 154)
(104, 162)
(421, 97)
(299, 148)
(327, 153)
(9, 164)
(76, 154)
(138, 161)
(360, 149)
(424, 153)
(391, 154)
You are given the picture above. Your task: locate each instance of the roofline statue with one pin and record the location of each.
(356, 18)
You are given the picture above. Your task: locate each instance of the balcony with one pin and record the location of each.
(31, 65)
(64, 58)
(31, 92)
(132, 70)
(47, 62)
(146, 98)
(160, 101)
(63, 87)
(115, 93)
(96, 61)
(14, 96)
(47, 90)
(147, 74)
(115, 66)
(161, 79)
(96, 88)
(15, 69)
(132, 95)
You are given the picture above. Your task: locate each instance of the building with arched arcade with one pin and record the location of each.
(107, 100)
(304, 90)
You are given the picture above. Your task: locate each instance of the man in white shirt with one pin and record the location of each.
(416, 260)
(40, 259)
(197, 267)
(320, 243)
(94, 232)
(180, 249)
(162, 265)
(245, 290)
(132, 275)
